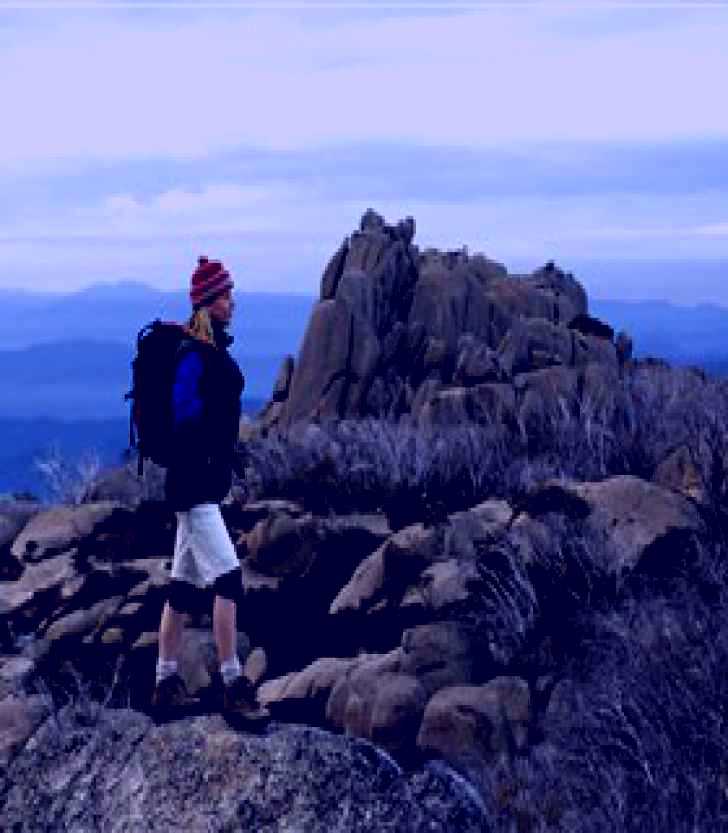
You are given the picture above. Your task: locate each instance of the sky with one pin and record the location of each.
(139, 135)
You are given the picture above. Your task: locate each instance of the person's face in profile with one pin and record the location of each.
(221, 309)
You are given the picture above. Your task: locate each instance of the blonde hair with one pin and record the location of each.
(200, 326)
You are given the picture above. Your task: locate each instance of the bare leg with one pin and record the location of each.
(224, 628)
(170, 633)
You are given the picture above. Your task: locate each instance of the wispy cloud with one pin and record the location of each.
(713, 230)
(169, 87)
(136, 139)
(283, 235)
(216, 208)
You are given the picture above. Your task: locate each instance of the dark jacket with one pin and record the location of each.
(206, 417)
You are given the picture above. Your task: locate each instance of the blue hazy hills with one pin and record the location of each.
(65, 359)
(69, 356)
(65, 364)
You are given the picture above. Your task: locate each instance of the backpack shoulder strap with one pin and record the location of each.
(187, 344)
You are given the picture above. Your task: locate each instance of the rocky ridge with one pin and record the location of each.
(396, 637)
(411, 658)
(440, 338)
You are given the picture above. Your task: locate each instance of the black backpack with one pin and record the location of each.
(150, 414)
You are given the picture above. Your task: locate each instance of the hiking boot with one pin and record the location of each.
(239, 699)
(171, 693)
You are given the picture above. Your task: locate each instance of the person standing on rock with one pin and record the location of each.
(205, 423)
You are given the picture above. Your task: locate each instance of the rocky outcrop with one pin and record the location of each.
(390, 574)
(404, 333)
(400, 637)
(638, 524)
(376, 701)
(469, 726)
(434, 634)
(115, 770)
(439, 654)
(56, 529)
(680, 472)
(293, 565)
(19, 717)
(400, 600)
(303, 695)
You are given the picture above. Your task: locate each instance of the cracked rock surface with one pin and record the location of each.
(114, 770)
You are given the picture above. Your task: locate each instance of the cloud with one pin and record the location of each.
(216, 208)
(138, 139)
(220, 208)
(514, 222)
(713, 230)
(278, 240)
(391, 171)
(107, 87)
(280, 236)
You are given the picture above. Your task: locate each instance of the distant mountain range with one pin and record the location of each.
(73, 380)
(65, 360)
(65, 364)
(69, 356)
(264, 323)
(680, 334)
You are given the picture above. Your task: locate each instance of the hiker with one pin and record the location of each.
(205, 420)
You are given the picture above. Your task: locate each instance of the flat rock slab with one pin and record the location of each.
(58, 529)
(114, 771)
(43, 577)
(303, 694)
(632, 516)
(402, 555)
(15, 670)
(13, 517)
(19, 717)
(474, 724)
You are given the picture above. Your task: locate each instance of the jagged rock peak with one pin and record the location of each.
(451, 259)
(373, 223)
(386, 338)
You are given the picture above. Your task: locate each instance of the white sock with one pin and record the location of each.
(165, 668)
(230, 669)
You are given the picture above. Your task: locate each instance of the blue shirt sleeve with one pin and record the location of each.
(186, 400)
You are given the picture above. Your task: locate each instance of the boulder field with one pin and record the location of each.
(434, 643)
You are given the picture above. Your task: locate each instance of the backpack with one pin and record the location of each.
(150, 414)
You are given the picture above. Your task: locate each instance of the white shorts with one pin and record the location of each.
(203, 550)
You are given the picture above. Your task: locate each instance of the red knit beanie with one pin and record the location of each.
(209, 280)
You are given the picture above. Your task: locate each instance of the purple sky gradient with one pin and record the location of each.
(141, 137)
